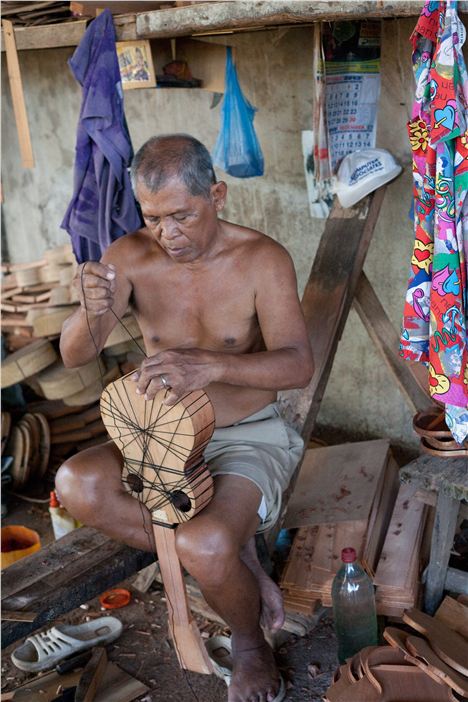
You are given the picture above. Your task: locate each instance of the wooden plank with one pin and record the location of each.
(439, 474)
(63, 575)
(119, 686)
(117, 7)
(327, 299)
(337, 483)
(207, 61)
(92, 676)
(116, 686)
(380, 516)
(17, 95)
(413, 386)
(221, 16)
(49, 36)
(442, 542)
(397, 572)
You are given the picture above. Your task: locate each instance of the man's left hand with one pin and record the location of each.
(178, 370)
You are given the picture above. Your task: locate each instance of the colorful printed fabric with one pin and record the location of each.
(435, 313)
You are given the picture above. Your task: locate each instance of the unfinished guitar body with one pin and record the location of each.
(162, 448)
(164, 469)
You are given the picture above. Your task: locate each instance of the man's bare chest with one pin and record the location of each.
(211, 314)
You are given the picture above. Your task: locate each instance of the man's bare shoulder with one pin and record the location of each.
(258, 248)
(129, 250)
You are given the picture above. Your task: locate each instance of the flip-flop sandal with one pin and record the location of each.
(220, 652)
(44, 650)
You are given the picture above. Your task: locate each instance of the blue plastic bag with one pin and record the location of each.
(237, 150)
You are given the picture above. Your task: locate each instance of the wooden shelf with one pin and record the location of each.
(220, 17)
(205, 18)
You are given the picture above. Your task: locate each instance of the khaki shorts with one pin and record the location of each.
(260, 448)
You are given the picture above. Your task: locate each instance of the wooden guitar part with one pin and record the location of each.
(454, 614)
(355, 671)
(397, 639)
(189, 646)
(450, 646)
(164, 469)
(360, 691)
(407, 684)
(435, 666)
(162, 448)
(27, 361)
(341, 684)
(384, 659)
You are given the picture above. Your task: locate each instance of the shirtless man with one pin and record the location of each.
(218, 309)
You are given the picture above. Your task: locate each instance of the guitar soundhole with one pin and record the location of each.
(181, 501)
(135, 483)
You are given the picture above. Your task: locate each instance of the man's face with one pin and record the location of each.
(184, 225)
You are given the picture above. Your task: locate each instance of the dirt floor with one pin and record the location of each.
(145, 651)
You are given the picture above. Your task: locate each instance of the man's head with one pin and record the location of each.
(175, 184)
(173, 157)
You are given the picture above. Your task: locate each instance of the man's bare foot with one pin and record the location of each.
(272, 610)
(255, 677)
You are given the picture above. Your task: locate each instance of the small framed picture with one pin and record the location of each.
(136, 64)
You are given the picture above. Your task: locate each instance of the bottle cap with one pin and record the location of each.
(53, 499)
(348, 555)
(115, 598)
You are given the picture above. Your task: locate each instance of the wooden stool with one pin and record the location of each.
(448, 478)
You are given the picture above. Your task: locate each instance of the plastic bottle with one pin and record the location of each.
(62, 521)
(353, 607)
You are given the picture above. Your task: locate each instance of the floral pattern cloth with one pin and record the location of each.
(435, 314)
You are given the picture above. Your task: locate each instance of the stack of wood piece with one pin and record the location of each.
(397, 574)
(30, 14)
(344, 496)
(428, 668)
(441, 647)
(72, 429)
(379, 673)
(28, 443)
(37, 297)
(43, 437)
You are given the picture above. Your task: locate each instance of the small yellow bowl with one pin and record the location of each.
(18, 542)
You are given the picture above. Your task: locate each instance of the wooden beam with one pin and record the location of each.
(17, 96)
(385, 338)
(63, 575)
(328, 297)
(445, 524)
(52, 36)
(213, 17)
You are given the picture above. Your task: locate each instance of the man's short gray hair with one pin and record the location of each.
(169, 156)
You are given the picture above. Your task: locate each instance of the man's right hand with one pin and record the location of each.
(95, 284)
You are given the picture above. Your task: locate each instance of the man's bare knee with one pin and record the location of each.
(207, 551)
(85, 483)
(78, 490)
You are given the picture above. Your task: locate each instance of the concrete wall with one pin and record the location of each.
(276, 75)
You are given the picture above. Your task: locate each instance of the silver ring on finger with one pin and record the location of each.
(164, 382)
